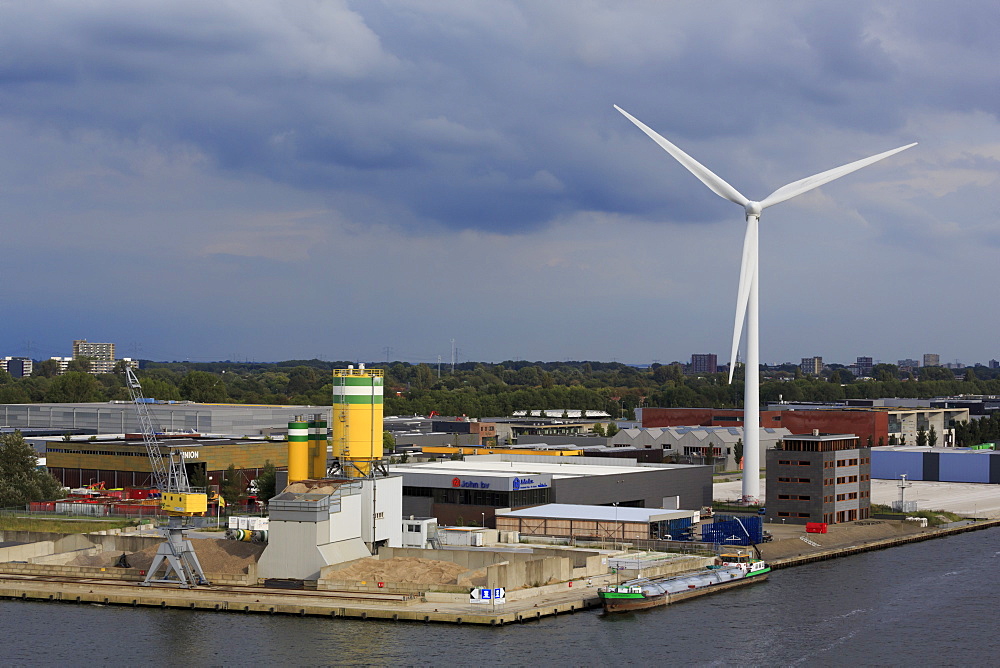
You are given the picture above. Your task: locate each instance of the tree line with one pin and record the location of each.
(482, 390)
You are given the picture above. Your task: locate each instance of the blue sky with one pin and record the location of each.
(276, 180)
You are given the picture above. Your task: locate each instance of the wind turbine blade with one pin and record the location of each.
(747, 268)
(704, 174)
(804, 185)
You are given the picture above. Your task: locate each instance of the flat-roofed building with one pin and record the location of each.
(471, 491)
(125, 463)
(818, 478)
(704, 363)
(18, 367)
(119, 417)
(811, 366)
(564, 520)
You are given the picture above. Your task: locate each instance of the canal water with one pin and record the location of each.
(927, 604)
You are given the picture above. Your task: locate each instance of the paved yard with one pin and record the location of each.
(973, 499)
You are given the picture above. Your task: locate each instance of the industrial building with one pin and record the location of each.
(819, 478)
(715, 446)
(937, 464)
(596, 522)
(119, 417)
(328, 515)
(119, 462)
(416, 430)
(874, 424)
(471, 491)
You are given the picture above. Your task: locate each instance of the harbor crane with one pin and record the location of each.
(175, 557)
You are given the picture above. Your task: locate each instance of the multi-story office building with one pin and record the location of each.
(18, 367)
(708, 363)
(908, 365)
(812, 366)
(819, 478)
(930, 359)
(863, 367)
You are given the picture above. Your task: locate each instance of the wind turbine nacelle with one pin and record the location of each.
(753, 209)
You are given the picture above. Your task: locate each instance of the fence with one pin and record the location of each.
(153, 514)
(731, 530)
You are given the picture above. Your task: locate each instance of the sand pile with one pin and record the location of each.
(311, 487)
(474, 579)
(407, 570)
(215, 556)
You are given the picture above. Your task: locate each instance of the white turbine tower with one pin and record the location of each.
(746, 300)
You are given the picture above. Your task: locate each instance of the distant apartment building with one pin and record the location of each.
(930, 359)
(908, 365)
(18, 367)
(708, 363)
(63, 363)
(994, 364)
(101, 355)
(811, 366)
(819, 478)
(863, 367)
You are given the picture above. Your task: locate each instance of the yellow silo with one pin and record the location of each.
(317, 447)
(357, 419)
(298, 450)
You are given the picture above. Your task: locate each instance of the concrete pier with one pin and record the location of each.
(393, 607)
(521, 606)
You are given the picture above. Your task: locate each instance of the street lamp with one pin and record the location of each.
(484, 519)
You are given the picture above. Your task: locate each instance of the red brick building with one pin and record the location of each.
(864, 423)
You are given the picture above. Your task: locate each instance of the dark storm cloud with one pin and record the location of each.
(448, 113)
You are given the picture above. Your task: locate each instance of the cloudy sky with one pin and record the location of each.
(275, 180)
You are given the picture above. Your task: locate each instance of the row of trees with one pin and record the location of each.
(21, 481)
(479, 390)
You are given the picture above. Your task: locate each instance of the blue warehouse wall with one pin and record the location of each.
(964, 466)
(890, 465)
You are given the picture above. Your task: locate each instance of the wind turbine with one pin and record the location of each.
(746, 298)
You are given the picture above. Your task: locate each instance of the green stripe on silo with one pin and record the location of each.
(357, 399)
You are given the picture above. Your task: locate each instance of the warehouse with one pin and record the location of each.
(596, 522)
(119, 417)
(470, 491)
(936, 464)
(125, 463)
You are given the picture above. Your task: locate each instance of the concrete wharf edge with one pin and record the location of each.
(882, 544)
(330, 605)
(283, 602)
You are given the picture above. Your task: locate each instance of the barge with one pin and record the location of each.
(734, 570)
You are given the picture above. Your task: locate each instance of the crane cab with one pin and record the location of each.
(184, 503)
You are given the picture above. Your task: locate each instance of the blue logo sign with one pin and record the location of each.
(527, 483)
(486, 594)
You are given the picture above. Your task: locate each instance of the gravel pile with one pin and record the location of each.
(408, 570)
(215, 556)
